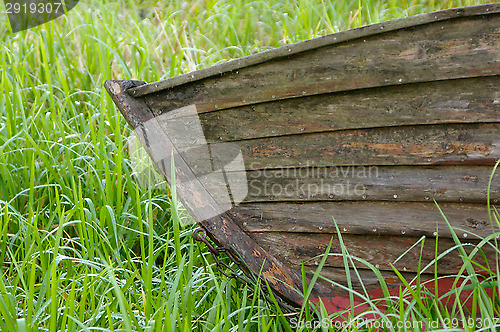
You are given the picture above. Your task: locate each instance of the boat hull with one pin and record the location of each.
(380, 141)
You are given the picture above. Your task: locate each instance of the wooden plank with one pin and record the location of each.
(458, 101)
(471, 144)
(306, 248)
(462, 48)
(199, 203)
(466, 184)
(365, 282)
(135, 112)
(368, 278)
(459, 48)
(288, 50)
(362, 279)
(359, 217)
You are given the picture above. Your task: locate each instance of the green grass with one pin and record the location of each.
(82, 246)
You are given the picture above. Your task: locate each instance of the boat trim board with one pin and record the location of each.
(288, 50)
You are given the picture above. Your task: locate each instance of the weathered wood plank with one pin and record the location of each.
(466, 184)
(471, 144)
(134, 111)
(359, 217)
(461, 48)
(344, 36)
(423, 131)
(305, 248)
(458, 101)
(362, 279)
(200, 204)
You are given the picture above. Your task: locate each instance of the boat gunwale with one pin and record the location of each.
(307, 45)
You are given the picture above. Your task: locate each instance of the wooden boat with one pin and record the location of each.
(355, 133)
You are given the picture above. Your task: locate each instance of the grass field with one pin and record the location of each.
(82, 246)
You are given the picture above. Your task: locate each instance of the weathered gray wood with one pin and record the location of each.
(362, 218)
(466, 184)
(382, 252)
(200, 204)
(458, 101)
(471, 144)
(391, 69)
(463, 48)
(135, 112)
(345, 36)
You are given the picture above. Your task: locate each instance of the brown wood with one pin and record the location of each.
(412, 104)
(463, 48)
(362, 218)
(405, 145)
(466, 184)
(289, 50)
(381, 251)
(200, 203)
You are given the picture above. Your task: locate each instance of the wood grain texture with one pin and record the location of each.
(467, 184)
(461, 48)
(416, 98)
(457, 101)
(382, 252)
(440, 17)
(359, 217)
(453, 144)
(199, 203)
